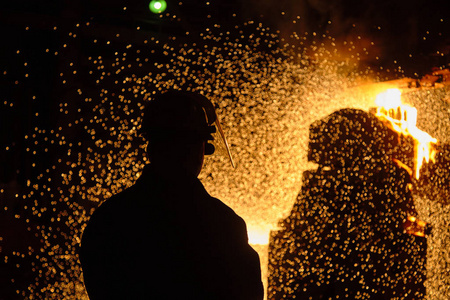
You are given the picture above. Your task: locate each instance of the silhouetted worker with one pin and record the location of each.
(166, 237)
(349, 235)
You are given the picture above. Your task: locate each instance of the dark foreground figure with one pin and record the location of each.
(351, 233)
(166, 237)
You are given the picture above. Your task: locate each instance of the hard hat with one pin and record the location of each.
(183, 115)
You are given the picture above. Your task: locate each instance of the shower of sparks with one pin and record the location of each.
(266, 96)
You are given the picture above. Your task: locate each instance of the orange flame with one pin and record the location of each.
(403, 119)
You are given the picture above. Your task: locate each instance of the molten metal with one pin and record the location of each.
(403, 118)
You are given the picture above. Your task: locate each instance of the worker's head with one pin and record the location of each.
(177, 126)
(349, 137)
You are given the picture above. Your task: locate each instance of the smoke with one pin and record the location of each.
(382, 32)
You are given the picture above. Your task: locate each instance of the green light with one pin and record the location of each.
(157, 6)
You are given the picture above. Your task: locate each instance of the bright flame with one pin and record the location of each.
(403, 119)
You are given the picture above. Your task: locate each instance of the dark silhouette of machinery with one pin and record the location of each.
(353, 232)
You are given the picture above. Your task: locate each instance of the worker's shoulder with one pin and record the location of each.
(119, 201)
(118, 207)
(221, 210)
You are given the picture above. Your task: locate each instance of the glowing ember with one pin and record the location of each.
(415, 226)
(402, 118)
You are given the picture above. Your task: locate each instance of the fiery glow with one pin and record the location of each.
(403, 119)
(415, 226)
(258, 236)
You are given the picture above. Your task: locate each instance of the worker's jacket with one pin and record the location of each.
(163, 239)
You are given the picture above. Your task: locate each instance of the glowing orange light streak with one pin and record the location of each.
(415, 226)
(403, 119)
